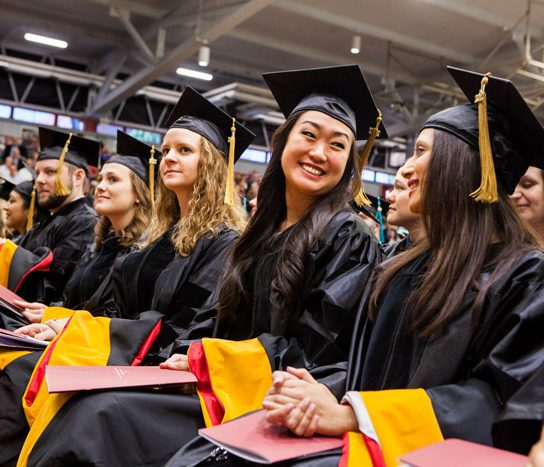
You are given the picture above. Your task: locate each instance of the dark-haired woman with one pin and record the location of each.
(289, 294)
(16, 208)
(446, 334)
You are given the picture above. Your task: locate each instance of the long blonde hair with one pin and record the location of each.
(207, 212)
(137, 226)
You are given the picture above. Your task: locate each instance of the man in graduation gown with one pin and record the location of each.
(61, 171)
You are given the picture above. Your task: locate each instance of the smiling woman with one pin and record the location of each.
(529, 198)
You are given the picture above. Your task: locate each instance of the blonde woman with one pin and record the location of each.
(123, 202)
(180, 261)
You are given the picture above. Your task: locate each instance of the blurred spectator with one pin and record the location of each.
(10, 171)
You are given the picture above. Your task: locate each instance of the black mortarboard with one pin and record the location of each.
(81, 152)
(135, 155)
(5, 189)
(338, 91)
(516, 137)
(23, 188)
(196, 113)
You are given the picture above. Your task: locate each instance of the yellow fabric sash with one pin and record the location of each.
(85, 341)
(238, 377)
(7, 250)
(404, 420)
(8, 356)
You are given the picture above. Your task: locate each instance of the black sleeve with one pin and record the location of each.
(186, 293)
(511, 350)
(338, 270)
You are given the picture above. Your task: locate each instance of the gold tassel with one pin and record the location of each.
(152, 164)
(229, 190)
(360, 197)
(60, 187)
(31, 208)
(487, 192)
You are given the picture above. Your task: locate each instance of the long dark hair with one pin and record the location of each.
(289, 273)
(458, 233)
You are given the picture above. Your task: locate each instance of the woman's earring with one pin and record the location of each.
(137, 201)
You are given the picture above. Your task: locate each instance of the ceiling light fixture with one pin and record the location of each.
(194, 74)
(355, 44)
(204, 55)
(46, 40)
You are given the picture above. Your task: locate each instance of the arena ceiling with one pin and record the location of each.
(121, 49)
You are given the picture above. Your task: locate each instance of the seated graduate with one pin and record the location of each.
(443, 362)
(529, 199)
(17, 207)
(294, 280)
(123, 202)
(399, 213)
(195, 221)
(61, 171)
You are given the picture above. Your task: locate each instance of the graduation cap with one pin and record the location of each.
(499, 123)
(78, 151)
(139, 157)
(195, 113)
(26, 191)
(340, 92)
(5, 189)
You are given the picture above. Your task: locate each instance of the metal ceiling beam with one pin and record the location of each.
(368, 29)
(473, 12)
(124, 17)
(307, 52)
(140, 8)
(183, 52)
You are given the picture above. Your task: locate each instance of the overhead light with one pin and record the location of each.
(204, 55)
(194, 74)
(356, 44)
(46, 40)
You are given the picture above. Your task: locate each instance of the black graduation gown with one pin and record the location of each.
(68, 233)
(469, 371)
(338, 266)
(135, 275)
(520, 423)
(90, 287)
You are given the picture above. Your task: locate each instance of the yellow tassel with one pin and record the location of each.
(152, 164)
(487, 192)
(229, 190)
(60, 187)
(30, 215)
(360, 197)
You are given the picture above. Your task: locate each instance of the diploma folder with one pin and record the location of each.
(10, 340)
(251, 437)
(88, 378)
(456, 452)
(8, 307)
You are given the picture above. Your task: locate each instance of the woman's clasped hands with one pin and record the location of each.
(305, 406)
